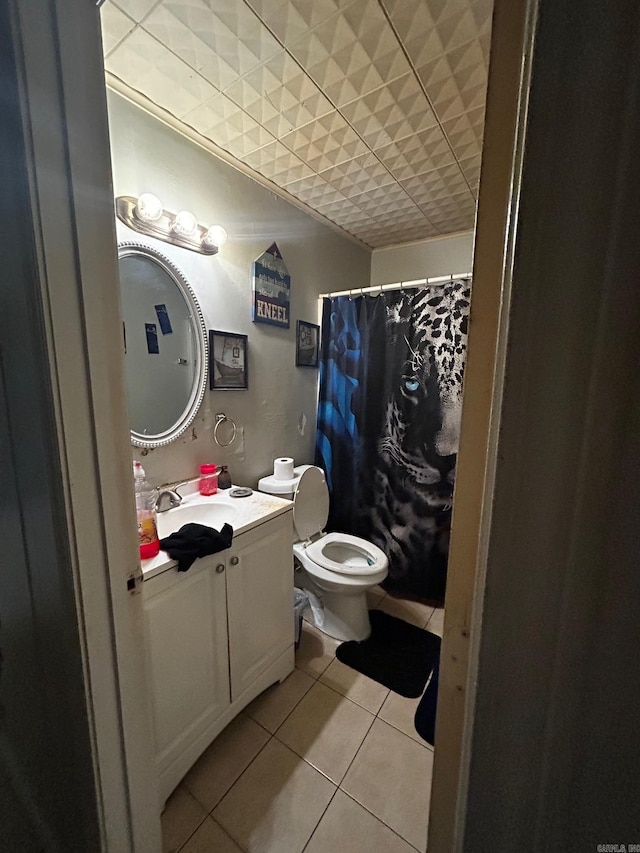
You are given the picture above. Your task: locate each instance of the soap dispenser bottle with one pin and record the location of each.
(146, 497)
(224, 478)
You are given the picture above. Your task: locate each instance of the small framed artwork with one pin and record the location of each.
(307, 344)
(228, 361)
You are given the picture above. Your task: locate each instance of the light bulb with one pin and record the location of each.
(184, 224)
(215, 237)
(149, 207)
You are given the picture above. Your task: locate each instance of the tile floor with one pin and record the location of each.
(326, 762)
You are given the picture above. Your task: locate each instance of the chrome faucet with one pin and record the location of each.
(172, 496)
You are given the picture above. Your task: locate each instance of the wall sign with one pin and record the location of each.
(271, 289)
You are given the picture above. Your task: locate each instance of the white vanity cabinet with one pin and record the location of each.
(216, 636)
(260, 601)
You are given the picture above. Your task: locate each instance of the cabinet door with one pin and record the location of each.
(260, 599)
(187, 654)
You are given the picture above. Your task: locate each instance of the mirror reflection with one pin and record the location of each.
(165, 358)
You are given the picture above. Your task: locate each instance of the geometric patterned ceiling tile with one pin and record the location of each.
(413, 20)
(279, 95)
(351, 53)
(471, 168)
(352, 217)
(135, 9)
(220, 41)
(450, 212)
(485, 44)
(359, 175)
(342, 208)
(347, 215)
(437, 184)
(429, 28)
(374, 121)
(390, 113)
(447, 45)
(325, 142)
(276, 163)
(316, 191)
(115, 26)
(224, 123)
(465, 133)
(464, 65)
(392, 194)
(290, 19)
(186, 30)
(451, 97)
(388, 206)
(417, 154)
(390, 234)
(397, 222)
(209, 118)
(152, 69)
(297, 97)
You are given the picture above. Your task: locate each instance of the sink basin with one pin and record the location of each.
(212, 514)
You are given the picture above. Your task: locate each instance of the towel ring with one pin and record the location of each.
(220, 419)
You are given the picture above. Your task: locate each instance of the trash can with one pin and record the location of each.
(300, 603)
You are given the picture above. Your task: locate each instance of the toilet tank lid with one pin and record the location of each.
(273, 486)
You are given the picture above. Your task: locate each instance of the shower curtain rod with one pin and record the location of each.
(398, 285)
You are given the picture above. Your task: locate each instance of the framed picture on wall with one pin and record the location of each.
(228, 361)
(307, 344)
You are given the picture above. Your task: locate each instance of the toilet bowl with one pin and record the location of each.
(338, 567)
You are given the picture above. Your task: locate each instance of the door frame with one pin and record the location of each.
(61, 77)
(512, 44)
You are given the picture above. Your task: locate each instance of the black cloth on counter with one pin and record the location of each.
(195, 540)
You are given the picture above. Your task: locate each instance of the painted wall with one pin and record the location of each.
(276, 416)
(434, 257)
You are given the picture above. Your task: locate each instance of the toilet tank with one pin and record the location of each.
(286, 489)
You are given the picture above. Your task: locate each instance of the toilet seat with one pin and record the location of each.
(342, 554)
(324, 576)
(346, 555)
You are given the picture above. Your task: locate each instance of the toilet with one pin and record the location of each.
(337, 567)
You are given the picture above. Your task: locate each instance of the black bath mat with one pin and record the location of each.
(425, 717)
(397, 654)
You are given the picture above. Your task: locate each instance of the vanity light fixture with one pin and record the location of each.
(215, 236)
(185, 224)
(149, 208)
(147, 215)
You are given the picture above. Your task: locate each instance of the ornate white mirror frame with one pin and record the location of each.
(201, 348)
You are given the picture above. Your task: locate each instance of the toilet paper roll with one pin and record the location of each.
(283, 468)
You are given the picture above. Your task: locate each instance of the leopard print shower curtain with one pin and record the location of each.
(388, 424)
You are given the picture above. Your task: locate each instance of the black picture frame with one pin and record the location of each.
(307, 344)
(228, 361)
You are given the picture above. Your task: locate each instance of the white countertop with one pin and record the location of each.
(249, 513)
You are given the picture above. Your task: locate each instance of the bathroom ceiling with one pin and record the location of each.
(369, 112)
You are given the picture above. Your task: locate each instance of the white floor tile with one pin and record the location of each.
(326, 730)
(346, 827)
(276, 804)
(391, 778)
(354, 685)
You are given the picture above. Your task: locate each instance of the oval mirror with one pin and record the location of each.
(165, 343)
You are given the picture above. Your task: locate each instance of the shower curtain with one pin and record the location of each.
(388, 424)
